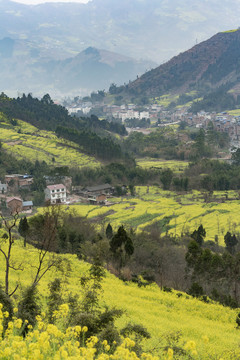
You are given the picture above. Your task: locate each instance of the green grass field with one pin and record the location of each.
(212, 327)
(174, 165)
(26, 142)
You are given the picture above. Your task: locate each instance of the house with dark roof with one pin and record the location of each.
(99, 199)
(27, 205)
(106, 189)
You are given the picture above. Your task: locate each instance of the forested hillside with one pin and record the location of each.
(45, 115)
(203, 68)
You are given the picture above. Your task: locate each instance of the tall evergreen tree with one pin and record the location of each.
(109, 231)
(23, 229)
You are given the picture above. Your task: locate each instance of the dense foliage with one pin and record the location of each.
(216, 101)
(103, 148)
(44, 114)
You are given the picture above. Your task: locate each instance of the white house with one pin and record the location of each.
(3, 188)
(56, 194)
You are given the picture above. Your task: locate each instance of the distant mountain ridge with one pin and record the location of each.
(140, 29)
(94, 68)
(26, 69)
(153, 29)
(204, 67)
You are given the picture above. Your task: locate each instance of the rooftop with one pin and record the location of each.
(56, 187)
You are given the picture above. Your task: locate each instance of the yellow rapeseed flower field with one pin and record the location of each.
(175, 213)
(207, 331)
(33, 144)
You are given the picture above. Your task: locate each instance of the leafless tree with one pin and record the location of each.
(6, 251)
(44, 238)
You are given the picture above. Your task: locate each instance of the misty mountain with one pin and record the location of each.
(153, 29)
(94, 69)
(25, 69)
(39, 43)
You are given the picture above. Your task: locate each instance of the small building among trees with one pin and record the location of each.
(56, 194)
(97, 199)
(3, 188)
(27, 205)
(14, 204)
(106, 189)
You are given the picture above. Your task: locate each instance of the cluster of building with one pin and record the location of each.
(12, 184)
(16, 204)
(121, 112)
(223, 122)
(54, 193)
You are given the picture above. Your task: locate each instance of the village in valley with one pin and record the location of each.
(156, 115)
(55, 193)
(59, 189)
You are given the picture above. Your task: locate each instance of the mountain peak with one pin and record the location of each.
(91, 51)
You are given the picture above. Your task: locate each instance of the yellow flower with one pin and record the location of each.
(190, 345)
(10, 325)
(205, 339)
(38, 318)
(6, 314)
(18, 323)
(7, 351)
(170, 354)
(17, 357)
(107, 347)
(84, 329)
(78, 329)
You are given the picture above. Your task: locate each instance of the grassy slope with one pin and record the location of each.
(174, 165)
(25, 141)
(160, 312)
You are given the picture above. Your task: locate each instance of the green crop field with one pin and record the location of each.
(235, 112)
(165, 100)
(210, 328)
(174, 213)
(174, 165)
(25, 141)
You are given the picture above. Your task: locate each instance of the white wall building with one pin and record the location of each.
(144, 115)
(56, 194)
(3, 188)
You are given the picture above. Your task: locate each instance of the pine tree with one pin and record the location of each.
(23, 229)
(109, 231)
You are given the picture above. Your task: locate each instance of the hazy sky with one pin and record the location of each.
(35, 2)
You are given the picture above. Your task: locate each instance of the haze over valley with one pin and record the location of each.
(34, 40)
(119, 180)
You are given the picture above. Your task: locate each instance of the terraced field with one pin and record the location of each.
(174, 213)
(25, 141)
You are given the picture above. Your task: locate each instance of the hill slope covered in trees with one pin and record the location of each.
(204, 68)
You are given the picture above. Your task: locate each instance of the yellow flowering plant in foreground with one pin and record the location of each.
(49, 341)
